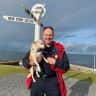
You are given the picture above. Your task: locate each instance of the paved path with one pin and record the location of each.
(80, 88)
(15, 86)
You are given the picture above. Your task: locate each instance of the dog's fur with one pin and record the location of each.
(36, 56)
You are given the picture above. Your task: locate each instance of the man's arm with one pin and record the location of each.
(63, 63)
(26, 61)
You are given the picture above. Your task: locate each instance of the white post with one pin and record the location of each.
(37, 32)
(38, 11)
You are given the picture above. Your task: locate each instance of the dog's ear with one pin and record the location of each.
(38, 43)
(39, 40)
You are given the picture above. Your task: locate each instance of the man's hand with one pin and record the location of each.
(51, 60)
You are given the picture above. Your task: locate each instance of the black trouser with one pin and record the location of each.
(48, 85)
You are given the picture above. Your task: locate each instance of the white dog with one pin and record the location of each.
(36, 56)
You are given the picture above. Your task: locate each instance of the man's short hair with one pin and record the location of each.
(46, 27)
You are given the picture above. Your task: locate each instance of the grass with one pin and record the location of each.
(83, 76)
(6, 70)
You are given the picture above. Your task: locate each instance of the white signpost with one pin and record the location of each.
(18, 19)
(37, 11)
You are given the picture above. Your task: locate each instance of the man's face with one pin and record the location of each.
(48, 36)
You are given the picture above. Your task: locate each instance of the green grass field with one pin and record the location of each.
(83, 76)
(6, 70)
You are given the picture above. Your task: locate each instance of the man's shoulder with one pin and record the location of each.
(59, 45)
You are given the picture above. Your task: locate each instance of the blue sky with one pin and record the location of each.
(74, 22)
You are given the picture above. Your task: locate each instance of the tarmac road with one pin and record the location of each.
(15, 86)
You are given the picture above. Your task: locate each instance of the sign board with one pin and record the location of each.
(18, 19)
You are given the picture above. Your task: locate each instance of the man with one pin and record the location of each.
(50, 81)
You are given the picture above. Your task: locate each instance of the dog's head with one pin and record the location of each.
(37, 45)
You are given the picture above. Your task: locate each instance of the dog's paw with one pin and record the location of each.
(45, 59)
(34, 80)
(38, 69)
(38, 76)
